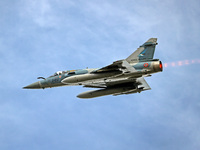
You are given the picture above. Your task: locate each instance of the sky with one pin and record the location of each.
(40, 37)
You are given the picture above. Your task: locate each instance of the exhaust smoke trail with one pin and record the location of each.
(181, 63)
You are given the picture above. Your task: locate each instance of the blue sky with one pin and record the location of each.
(40, 37)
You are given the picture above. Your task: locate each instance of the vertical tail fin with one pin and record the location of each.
(144, 52)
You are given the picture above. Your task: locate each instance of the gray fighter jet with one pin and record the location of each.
(121, 77)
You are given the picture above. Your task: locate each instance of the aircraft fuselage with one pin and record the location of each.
(76, 77)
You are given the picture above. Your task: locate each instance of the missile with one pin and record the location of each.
(107, 91)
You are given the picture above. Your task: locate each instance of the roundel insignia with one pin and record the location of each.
(146, 64)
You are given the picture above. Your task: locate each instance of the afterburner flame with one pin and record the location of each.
(181, 63)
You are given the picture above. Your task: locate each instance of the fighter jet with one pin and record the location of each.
(121, 77)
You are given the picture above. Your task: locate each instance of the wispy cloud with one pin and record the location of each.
(40, 37)
(40, 12)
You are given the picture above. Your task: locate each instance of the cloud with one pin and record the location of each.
(40, 37)
(40, 12)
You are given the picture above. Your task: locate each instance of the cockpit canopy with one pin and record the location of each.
(63, 72)
(58, 73)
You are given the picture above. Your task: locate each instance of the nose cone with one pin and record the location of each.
(84, 96)
(35, 85)
(90, 94)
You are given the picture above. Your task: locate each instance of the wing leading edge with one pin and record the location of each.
(121, 65)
